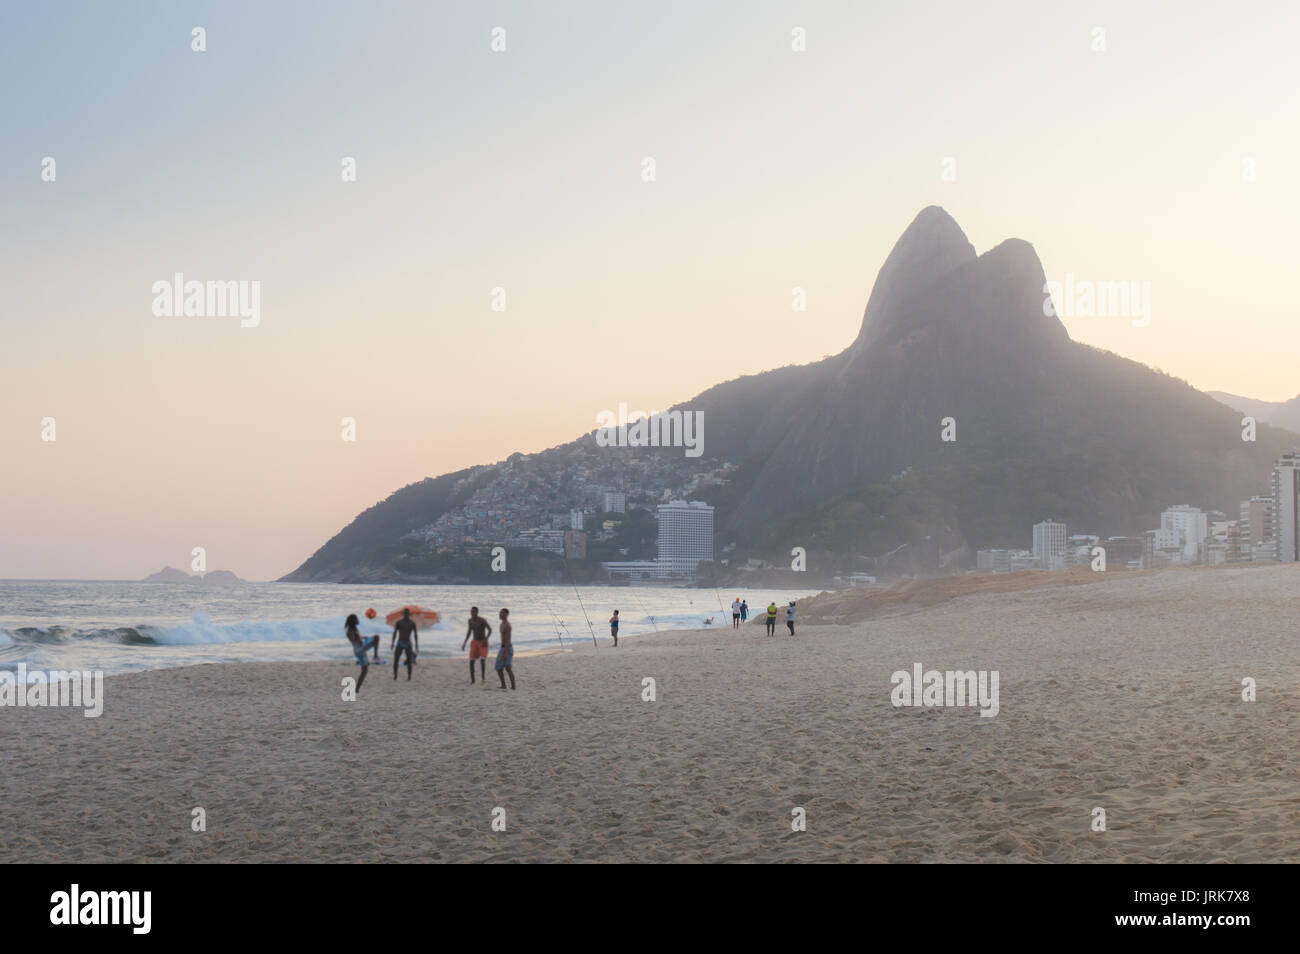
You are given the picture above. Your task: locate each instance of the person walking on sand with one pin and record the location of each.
(771, 618)
(352, 628)
(481, 630)
(789, 617)
(613, 627)
(506, 654)
(409, 632)
(744, 611)
(735, 613)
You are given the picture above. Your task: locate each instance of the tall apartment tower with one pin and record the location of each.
(685, 536)
(1286, 507)
(1256, 522)
(1049, 545)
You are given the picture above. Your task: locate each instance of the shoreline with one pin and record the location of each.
(1123, 695)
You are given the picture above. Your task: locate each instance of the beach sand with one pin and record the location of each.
(1124, 694)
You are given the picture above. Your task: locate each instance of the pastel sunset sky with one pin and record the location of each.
(522, 170)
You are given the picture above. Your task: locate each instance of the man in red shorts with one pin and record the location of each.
(481, 630)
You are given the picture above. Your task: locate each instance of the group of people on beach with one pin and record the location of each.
(406, 644)
(740, 613)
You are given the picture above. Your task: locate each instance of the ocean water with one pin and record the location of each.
(127, 627)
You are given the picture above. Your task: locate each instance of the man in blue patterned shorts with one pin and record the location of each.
(506, 654)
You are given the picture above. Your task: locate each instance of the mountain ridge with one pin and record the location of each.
(1044, 426)
(1285, 414)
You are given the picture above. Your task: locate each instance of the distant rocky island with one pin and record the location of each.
(169, 574)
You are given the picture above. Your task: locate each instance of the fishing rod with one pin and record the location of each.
(581, 605)
(555, 619)
(646, 610)
(716, 591)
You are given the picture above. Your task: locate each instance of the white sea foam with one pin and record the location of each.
(201, 630)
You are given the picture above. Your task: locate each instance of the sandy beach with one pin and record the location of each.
(1124, 694)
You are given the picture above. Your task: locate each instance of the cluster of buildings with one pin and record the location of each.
(1264, 528)
(529, 499)
(558, 501)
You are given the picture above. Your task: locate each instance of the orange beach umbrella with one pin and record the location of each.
(422, 616)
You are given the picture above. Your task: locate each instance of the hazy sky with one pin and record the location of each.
(522, 170)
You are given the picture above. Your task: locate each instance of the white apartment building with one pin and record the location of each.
(1049, 545)
(1167, 538)
(1193, 526)
(615, 502)
(1286, 507)
(685, 536)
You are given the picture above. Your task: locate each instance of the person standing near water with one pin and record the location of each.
(481, 630)
(613, 627)
(506, 654)
(409, 631)
(789, 617)
(359, 647)
(771, 618)
(744, 610)
(735, 613)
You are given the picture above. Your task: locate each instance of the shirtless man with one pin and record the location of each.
(481, 630)
(409, 631)
(506, 654)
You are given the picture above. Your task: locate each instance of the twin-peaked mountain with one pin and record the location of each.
(845, 456)
(946, 333)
